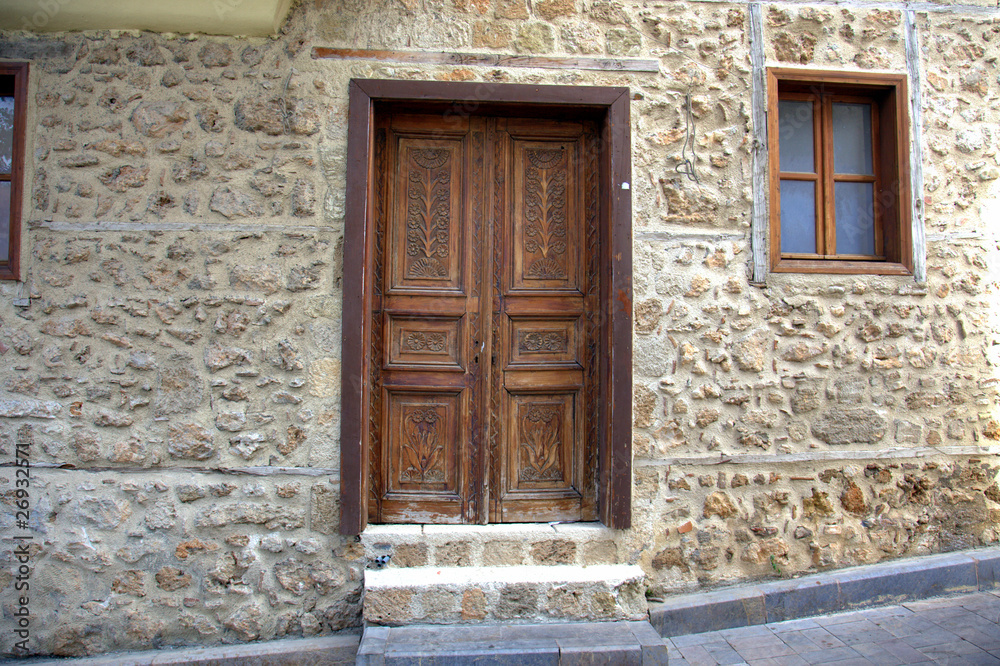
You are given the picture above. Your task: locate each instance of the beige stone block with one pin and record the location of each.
(550, 9)
(535, 38)
(475, 6)
(453, 554)
(511, 9)
(517, 601)
(437, 605)
(324, 378)
(473, 604)
(325, 509)
(502, 553)
(388, 606)
(568, 601)
(600, 552)
(491, 35)
(410, 555)
(555, 551)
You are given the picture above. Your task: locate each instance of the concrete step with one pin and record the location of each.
(394, 546)
(591, 643)
(456, 595)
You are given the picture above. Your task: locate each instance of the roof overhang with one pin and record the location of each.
(213, 17)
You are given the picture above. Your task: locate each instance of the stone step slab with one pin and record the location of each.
(633, 643)
(337, 650)
(396, 546)
(527, 594)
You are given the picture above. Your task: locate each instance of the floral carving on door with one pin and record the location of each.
(418, 341)
(545, 213)
(422, 447)
(428, 213)
(541, 443)
(542, 341)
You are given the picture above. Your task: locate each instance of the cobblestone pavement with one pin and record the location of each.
(953, 630)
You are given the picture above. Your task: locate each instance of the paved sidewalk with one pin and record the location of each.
(952, 630)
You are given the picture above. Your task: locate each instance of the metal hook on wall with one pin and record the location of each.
(686, 166)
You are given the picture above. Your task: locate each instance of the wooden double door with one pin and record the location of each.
(486, 319)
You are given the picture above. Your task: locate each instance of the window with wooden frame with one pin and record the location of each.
(839, 172)
(13, 97)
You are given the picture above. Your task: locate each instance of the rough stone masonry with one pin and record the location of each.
(172, 355)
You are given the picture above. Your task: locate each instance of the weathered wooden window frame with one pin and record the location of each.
(888, 94)
(611, 106)
(10, 269)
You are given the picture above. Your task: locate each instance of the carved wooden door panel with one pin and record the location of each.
(545, 323)
(485, 326)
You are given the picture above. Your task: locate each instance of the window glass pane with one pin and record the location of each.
(852, 138)
(855, 210)
(6, 133)
(795, 136)
(4, 222)
(798, 216)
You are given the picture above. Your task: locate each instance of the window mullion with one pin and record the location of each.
(876, 188)
(829, 221)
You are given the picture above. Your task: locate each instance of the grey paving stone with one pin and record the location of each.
(823, 638)
(981, 639)
(830, 655)
(799, 642)
(985, 659)
(725, 655)
(885, 612)
(905, 626)
(930, 637)
(959, 649)
(699, 639)
(766, 652)
(760, 640)
(906, 653)
(933, 604)
(863, 631)
(984, 605)
(673, 654)
(746, 632)
(792, 625)
(841, 618)
(967, 636)
(791, 660)
(697, 656)
(879, 654)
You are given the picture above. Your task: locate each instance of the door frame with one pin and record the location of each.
(610, 106)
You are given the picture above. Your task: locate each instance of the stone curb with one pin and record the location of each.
(820, 594)
(584, 643)
(328, 650)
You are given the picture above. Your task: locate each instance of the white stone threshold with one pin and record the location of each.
(610, 574)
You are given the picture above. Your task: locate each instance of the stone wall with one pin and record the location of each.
(172, 356)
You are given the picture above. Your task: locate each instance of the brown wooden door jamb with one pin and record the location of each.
(610, 106)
